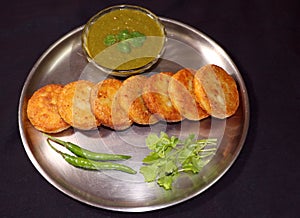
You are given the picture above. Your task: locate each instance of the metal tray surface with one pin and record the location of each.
(64, 62)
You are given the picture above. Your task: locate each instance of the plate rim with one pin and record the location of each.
(49, 179)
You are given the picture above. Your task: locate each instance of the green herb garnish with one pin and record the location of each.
(170, 156)
(137, 39)
(123, 35)
(110, 40)
(124, 47)
(126, 40)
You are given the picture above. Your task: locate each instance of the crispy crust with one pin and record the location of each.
(105, 106)
(181, 93)
(216, 91)
(156, 98)
(74, 105)
(42, 110)
(130, 99)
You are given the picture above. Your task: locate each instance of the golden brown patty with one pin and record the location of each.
(74, 105)
(130, 98)
(181, 93)
(105, 106)
(42, 110)
(156, 98)
(216, 91)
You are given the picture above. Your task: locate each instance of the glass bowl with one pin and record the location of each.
(123, 40)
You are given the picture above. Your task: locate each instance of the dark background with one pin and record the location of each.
(261, 36)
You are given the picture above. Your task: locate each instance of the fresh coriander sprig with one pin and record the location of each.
(170, 156)
(126, 40)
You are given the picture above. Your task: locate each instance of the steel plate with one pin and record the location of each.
(64, 62)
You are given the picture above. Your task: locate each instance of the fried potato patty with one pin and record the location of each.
(216, 91)
(105, 106)
(130, 98)
(74, 105)
(182, 96)
(156, 98)
(42, 110)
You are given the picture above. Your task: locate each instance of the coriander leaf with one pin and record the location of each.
(136, 34)
(110, 40)
(169, 157)
(124, 47)
(184, 154)
(164, 135)
(151, 141)
(189, 139)
(199, 163)
(149, 172)
(166, 182)
(188, 166)
(151, 157)
(163, 151)
(169, 167)
(123, 35)
(174, 141)
(137, 39)
(134, 42)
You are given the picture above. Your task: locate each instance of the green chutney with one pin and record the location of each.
(113, 23)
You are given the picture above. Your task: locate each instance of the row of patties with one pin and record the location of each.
(186, 94)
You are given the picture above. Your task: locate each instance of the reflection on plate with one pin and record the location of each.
(64, 62)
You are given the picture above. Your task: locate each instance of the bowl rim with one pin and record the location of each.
(116, 72)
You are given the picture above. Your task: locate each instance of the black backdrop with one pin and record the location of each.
(262, 37)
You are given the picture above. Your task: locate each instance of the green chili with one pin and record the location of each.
(81, 152)
(92, 165)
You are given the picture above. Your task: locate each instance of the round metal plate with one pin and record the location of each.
(64, 62)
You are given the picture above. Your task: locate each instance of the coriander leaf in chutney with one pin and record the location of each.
(125, 40)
